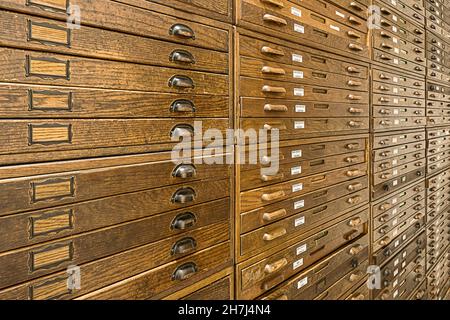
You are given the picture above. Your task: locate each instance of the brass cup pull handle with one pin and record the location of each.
(384, 23)
(356, 249)
(384, 88)
(385, 111)
(184, 271)
(274, 3)
(267, 178)
(353, 20)
(354, 186)
(353, 83)
(182, 31)
(354, 97)
(278, 126)
(183, 196)
(385, 206)
(271, 51)
(355, 6)
(385, 11)
(384, 77)
(384, 241)
(275, 234)
(352, 146)
(352, 159)
(275, 108)
(358, 297)
(355, 222)
(355, 47)
(183, 221)
(182, 130)
(353, 70)
(353, 34)
(184, 246)
(272, 70)
(274, 19)
(383, 99)
(184, 171)
(387, 46)
(384, 57)
(354, 124)
(353, 173)
(355, 276)
(355, 110)
(271, 89)
(354, 200)
(182, 105)
(385, 35)
(182, 56)
(275, 215)
(275, 266)
(181, 82)
(273, 196)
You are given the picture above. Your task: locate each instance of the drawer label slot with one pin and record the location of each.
(54, 189)
(51, 256)
(50, 100)
(47, 33)
(49, 133)
(47, 68)
(59, 5)
(51, 222)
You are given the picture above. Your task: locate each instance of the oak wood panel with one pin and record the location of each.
(221, 9)
(219, 290)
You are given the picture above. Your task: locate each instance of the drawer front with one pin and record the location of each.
(279, 232)
(250, 67)
(438, 121)
(218, 290)
(265, 274)
(437, 166)
(437, 132)
(26, 229)
(173, 276)
(310, 26)
(361, 293)
(414, 10)
(299, 56)
(397, 214)
(116, 16)
(436, 182)
(356, 7)
(388, 140)
(391, 78)
(389, 174)
(31, 263)
(397, 183)
(325, 202)
(397, 101)
(52, 69)
(218, 9)
(255, 178)
(420, 293)
(389, 43)
(397, 123)
(387, 89)
(397, 62)
(23, 31)
(282, 191)
(396, 151)
(314, 281)
(31, 193)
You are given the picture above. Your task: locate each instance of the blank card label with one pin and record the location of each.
(297, 57)
(299, 125)
(300, 108)
(296, 170)
(297, 74)
(299, 204)
(299, 28)
(297, 187)
(299, 221)
(296, 12)
(297, 264)
(299, 92)
(302, 249)
(296, 154)
(302, 283)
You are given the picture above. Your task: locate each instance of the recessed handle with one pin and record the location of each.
(354, 124)
(183, 221)
(271, 89)
(275, 266)
(384, 57)
(387, 46)
(275, 108)
(274, 19)
(182, 130)
(183, 195)
(182, 56)
(185, 271)
(385, 11)
(184, 171)
(271, 70)
(275, 234)
(356, 249)
(273, 196)
(182, 31)
(354, 222)
(182, 105)
(352, 146)
(181, 82)
(354, 200)
(272, 51)
(274, 215)
(184, 246)
(279, 126)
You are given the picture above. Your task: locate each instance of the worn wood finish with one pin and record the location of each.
(398, 62)
(382, 88)
(394, 78)
(219, 290)
(396, 138)
(400, 160)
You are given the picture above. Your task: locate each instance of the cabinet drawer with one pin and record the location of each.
(36, 261)
(397, 161)
(314, 281)
(387, 89)
(324, 201)
(437, 166)
(299, 56)
(178, 274)
(250, 67)
(420, 293)
(282, 191)
(210, 8)
(357, 7)
(389, 77)
(218, 290)
(263, 176)
(52, 69)
(360, 293)
(386, 187)
(397, 101)
(397, 62)
(414, 10)
(394, 172)
(397, 123)
(128, 19)
(436, 182)
(23, 31)
(310, 26)
(299, 128)
(393, 139)
(263, 275)
(399, 47)
(26, 229)
(383, 111)
(438, 132)
(92, 179)
(438, 121)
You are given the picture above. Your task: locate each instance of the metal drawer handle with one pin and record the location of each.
(354, 124)
(182, 56)
(384, 77)
(275, 3)
(182, 130)
(279, 126)
(273, 196)
(384, 57)
(270, 216)
(385, 111)
(354, 21)
(385, 206)
(356, 249)
(185, 271)
(184, 171)
(385, 122)
(352, 159)
(181, 82)
(353, 173)
(355, 222)
(277, 265)
(182, 105)
(352, 146)
(271, 70)
(274, 19)
(353, 34)
(271, 51)
(271, 89)
(354, 97)
(385, 11)
(353, 70)
(183, 221)
(355, 6)
(353, 83)
(355, 186)
(181, 30)
(384, 23)
(385, 35)
(355, 110)
(267, 178)
(355, 47)
(387, 46)
(183, 196)
(275, 108)
(354, 200)
(384, 88)
(384, 242)
(275, 234)
(355, 276)
(383, 99)
(184, 246)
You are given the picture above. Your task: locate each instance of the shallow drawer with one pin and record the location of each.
(261, 276)
(299, 56)
(314, 281)
(33, 262)
(397, 123)
(393, 216)
(388, 89)
(70, 182)
(399, 150)
(383, 111)
(220, 10)
(117, 16)
(250, 67)
(397, 101)
(436, 182)
(392, 173)
(393, 139)
(259, 177)
(310, 26)
(357, 7)
(52, 69)
(437, 76)
(360, 293)
(218, 290)
(438, 121)
(396, 161)
(437, 166)
(437, 132)
(414, 10)
(282, 191)
(324, 201)
(398, 79)
(398, 62)
(399, 47)
(437, 114)
(23, 31)
(420, 293)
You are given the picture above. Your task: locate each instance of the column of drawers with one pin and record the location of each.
(301, 233)
(87, 182)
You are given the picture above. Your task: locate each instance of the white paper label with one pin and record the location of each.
(395, 61)
(396, 243)
(395, 233)
(395, 283)
(299, 28)
(300, 92)
(395, 111)
(394, 212)
(300, 108)
(302, 249)
(394, 2)
(335, 27)
(394, 201)
(395, 294)
(299, 221)
(297, 187)
(296, 170)
(394, 162)
(404, 237)
(298, 74)
(403, 264)
(302, 283)
(395, 172)
(297, 57)
(394, 17)
(394, 223)
(396, 50)
(297, 264)
(296, 12)
(404, 254)
(395, 151)
(396, 262)
(396, 121)
(299, 125)
(395, 90)
(395, 100)
(394, 183)
(395, 272)
(395, 79)
(340, 14)
(296, 154)
(394, 140)
(394, 28)
(394, 39)
(299, 204)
